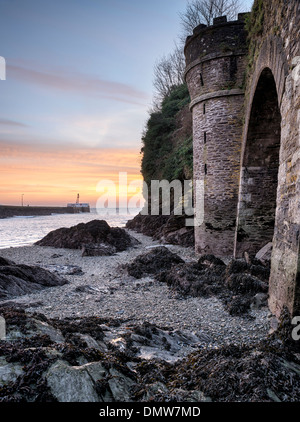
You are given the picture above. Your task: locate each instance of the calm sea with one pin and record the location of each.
(22, 231)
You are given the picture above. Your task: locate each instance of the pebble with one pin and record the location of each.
(119, 295)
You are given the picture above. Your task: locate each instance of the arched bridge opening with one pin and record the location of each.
(259, 173)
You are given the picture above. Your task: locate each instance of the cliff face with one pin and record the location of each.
(167, 155)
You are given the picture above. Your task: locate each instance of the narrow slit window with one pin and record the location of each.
(204, 108)
(205, 169)
(201, 79)
(204, 137)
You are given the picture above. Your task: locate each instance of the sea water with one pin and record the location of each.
(23, 231)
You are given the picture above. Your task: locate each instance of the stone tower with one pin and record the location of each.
(247, 146)
(215, 68)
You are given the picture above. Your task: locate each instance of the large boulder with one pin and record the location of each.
(16, 280)
(95, 234)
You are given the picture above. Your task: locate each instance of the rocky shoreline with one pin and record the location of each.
(108, 335)
(100, 286)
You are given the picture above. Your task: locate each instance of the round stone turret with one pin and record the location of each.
(215, 70)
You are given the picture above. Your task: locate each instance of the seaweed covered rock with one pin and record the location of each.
(264, 372)
(204, 278)
(87, 359)
(236, 284)
(92, 359)
(171, 229)
(89, 236)
(254, 267)
(147, 224)
(16, 280)
(245, 283)
(153, 262)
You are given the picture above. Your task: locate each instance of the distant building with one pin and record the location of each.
(79, 206)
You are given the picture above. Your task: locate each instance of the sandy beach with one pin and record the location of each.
(103, 288)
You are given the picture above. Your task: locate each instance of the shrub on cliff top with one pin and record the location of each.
(165, 156)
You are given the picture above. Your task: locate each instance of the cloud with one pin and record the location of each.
(78, 83)
(106, 129)
(6, 122)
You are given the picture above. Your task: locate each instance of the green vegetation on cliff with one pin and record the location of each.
(167, 141)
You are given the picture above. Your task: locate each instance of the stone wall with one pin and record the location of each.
(274, 49)
(251, 169)
(259, 173)
(216, 58)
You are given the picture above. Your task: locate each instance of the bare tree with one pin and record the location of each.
(169, 70)
(204, 11)
(168, 73)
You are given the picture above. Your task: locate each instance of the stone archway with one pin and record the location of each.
(249, 157)
(269, 206)
(259, 170)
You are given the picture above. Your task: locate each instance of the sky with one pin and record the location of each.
(77, 94)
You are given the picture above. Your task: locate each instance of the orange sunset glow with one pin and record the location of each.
(76, 95)
(48, 177)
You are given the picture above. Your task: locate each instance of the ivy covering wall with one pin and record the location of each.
(167, 151)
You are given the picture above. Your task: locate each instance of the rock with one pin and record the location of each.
(235, 284)
(167, 228)
(43, 328)
(79, 383)
(120, 386)
(94, 233)
(56, 255)
(273, 396)
(155, 389)
(9, 372)
(74, 383)
(245, 283)
(274, 323)
(5, 262)
(148, 341)
(206, 261)
(147, 224)
(238, 305)
(2, 328)
(140, 363)
(259, 300)
(247, 258)
(90, 342)
(153, 262)
(202, 279)
(84, 288)
(97, 250)
(16, 280)
(176, 232)
(64, 269)
(264, 254)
